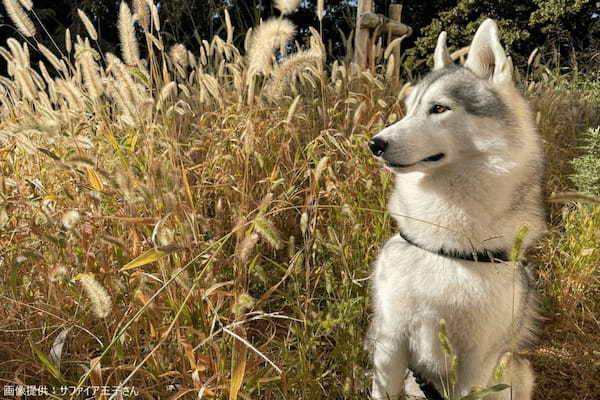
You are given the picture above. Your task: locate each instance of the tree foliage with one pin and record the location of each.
(566, 26)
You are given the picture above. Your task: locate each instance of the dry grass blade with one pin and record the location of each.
(246, 343)
(133, 220)
(292, 109)
(164, 335)
(532, 56)
(393, 44)
(186, 185)
(57, 347)
(96, 376)
(459, 53)
(94, 179)
(148, 257)
(238, 365)
(564, 197)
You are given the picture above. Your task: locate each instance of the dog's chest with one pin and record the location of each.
(415, 289)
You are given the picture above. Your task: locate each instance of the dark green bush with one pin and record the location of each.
(587, 166)
(566, 26)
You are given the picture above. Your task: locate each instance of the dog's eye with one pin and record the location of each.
(438, 109)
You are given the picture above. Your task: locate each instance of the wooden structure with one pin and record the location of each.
(370, 25)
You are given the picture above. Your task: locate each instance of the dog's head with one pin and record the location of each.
(455, 112)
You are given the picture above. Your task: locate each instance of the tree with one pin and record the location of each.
(563, 25)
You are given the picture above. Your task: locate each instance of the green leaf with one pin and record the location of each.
(483, 393)
(138, 74)
(47, 363)
(265, 228)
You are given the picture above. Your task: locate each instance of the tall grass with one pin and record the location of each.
(227, 212)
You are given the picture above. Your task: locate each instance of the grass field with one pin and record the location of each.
(200, 225)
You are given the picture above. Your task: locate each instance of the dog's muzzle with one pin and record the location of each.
(377, 146)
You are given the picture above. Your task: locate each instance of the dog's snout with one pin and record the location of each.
(378, 146)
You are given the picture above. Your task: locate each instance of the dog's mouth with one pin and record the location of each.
(433, 158)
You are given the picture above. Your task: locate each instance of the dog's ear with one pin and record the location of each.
(486, 56)
(441, 56)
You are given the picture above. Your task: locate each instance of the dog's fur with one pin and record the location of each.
(487, 185)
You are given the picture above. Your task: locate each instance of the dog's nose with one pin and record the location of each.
(377, 146)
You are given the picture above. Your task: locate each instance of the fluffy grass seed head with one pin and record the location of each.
(320, 9)
(178, 54)
(88, 24)
(141, 9)
(243, 303)
(166, 92)
(229, 27)
(247, 245)
(91, 73)
(99, 297)
(19, 17)
(264, 228)
(57, 273)
(292, 65)
(50, 56)
(289, 68)
(4, 218)
(28, 4)
(20, 53)
(129, 44)
(268, 37)
(68, 41)
(286, 6)
(70, 219)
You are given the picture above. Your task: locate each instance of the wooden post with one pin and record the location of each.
(361, 35)
(396, 15)
(374, 21)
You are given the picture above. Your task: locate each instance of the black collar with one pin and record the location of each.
(487, 256)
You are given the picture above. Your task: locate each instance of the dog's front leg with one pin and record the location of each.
(390, 363)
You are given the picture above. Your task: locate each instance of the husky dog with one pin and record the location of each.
(468, 164)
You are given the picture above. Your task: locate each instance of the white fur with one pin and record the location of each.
(475, 198)
(441, 57)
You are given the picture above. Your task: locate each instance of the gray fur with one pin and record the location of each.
(479, 101)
